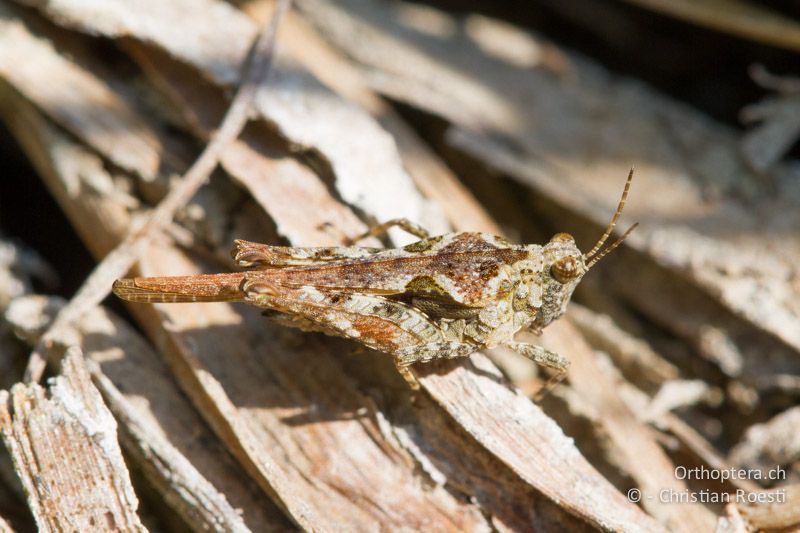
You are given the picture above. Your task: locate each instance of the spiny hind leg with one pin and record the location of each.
(299, 322)
(403, 223)
(422, 353)
(254, 254)
(544, 357)
(372, 320)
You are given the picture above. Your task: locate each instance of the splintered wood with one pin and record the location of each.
(159, 428)
(52, 437)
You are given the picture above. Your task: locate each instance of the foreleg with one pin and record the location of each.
(544, 357)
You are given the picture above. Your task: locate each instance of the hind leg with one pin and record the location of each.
(253, 254)
(403, 223)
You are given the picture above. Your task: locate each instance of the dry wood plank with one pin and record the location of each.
(121, 259)
(450, 456)
(431, 176)
(544, 456)
(217, 49)
(66, 453)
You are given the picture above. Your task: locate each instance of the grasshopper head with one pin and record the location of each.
(562, 269)
(565, 265)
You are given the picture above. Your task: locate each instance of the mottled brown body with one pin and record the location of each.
(440, 297)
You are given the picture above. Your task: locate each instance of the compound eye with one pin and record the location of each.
(565, 269)
(563, 237)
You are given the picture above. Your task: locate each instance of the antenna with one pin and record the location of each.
(616, 243)
(588, 256)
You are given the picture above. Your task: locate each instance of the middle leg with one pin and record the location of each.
(422, 353)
